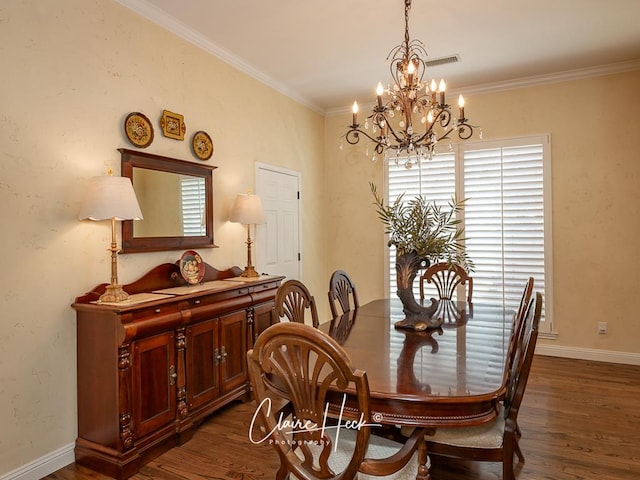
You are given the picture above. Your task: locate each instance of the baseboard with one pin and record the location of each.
(43, 466)
(588, 354)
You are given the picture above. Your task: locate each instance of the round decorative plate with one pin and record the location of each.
(138, 129)
(192, 267)
(202, 145)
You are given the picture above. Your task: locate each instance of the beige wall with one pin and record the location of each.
(594, 126)
(71, 71)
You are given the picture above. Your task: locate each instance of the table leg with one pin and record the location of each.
(424, 462)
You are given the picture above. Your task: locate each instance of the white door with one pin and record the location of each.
(278, 241)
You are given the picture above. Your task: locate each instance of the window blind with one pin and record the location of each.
(435, 180)
(192, 191)
(504, 220)
(505, 187)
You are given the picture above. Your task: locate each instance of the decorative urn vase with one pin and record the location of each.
(417, 316)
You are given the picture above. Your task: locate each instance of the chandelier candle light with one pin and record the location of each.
(425, 117)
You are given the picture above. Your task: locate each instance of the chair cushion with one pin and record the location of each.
(487, 435)
(378, 448)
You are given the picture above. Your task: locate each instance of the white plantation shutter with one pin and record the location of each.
(504, 220)
(435, 180)
(506, 215)
(192, 190)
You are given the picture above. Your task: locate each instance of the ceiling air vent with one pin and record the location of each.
(442, 60)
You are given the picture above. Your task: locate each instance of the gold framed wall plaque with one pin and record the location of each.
(202, 145)
(138, 130)
(172, 125)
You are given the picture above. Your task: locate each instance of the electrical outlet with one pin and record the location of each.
(602, 327)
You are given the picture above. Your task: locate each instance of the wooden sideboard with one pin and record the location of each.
(152, 368)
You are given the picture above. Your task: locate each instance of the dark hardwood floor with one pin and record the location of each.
(579, 419)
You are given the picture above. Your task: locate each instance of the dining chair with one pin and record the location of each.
(516, 332)
(496, 441)
(342, 293)
(446, 278)
(293, 300)
(303, 365)
(516, 326)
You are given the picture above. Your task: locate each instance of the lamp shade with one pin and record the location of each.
(247, 209)
(110, 197)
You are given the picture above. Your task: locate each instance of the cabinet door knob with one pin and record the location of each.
(223, 354)
(216, 357)
(172, 375)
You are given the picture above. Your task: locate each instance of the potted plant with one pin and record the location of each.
(422, 233)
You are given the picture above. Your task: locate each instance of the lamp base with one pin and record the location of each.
(250, 272)
(114, 293)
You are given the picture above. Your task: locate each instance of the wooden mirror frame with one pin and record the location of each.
(131, 159)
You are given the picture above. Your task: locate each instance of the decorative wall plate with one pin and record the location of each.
(202, 145)
(138, 129)
(173, 125)
(192, 267)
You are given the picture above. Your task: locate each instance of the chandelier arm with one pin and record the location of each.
(465, 131)
(393, 132)
(445, 135)
(353, 137)
(443, 117)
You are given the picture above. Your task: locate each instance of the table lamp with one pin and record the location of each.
(247, 209)
(111, 198)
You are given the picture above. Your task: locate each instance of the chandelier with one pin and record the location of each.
(423, 116)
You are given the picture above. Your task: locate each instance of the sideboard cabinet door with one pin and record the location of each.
(154, 379)
(203, 383)
(261, 318)
(233, 350)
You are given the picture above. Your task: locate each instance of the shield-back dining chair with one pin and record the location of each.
(342, 293)
(299, 364)
(293, 301)
(496, 441)
(446, 279)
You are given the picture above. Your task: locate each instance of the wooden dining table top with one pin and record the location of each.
(453, 375)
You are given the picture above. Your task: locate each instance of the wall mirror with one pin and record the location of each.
(176, 199)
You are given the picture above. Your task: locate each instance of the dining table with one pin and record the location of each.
(448, 376)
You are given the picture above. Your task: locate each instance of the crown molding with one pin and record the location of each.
(569, 75)
(525, 82)
(162, 19)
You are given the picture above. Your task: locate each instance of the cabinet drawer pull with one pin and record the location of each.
(157, 310)
(197, 302)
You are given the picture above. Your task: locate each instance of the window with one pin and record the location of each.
(192, 190)
(506, 217)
